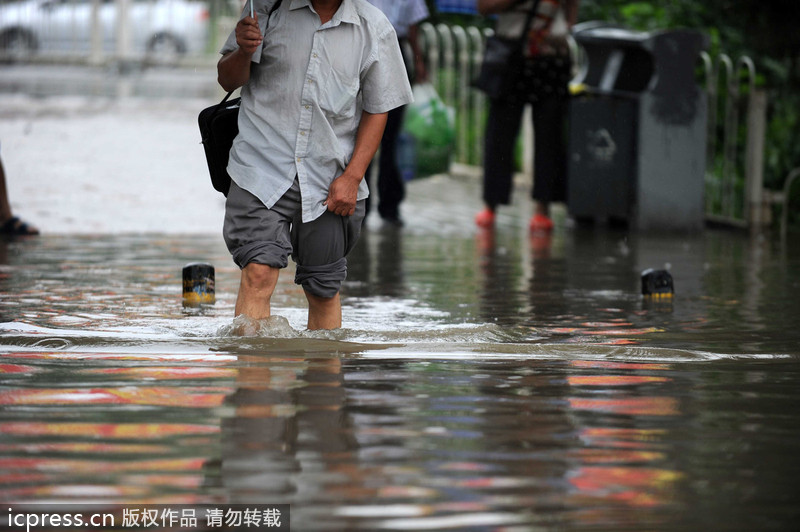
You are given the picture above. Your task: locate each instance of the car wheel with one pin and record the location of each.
(165, 48)
(17, 44)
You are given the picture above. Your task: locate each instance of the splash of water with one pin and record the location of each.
(271, 327)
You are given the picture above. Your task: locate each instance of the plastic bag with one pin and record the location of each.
(428, 134)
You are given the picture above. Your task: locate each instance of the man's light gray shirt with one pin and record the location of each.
(308, 86)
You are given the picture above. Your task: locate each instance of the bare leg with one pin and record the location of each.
(255, 290)
(324, 313)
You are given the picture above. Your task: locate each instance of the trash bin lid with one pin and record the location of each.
(611, 36)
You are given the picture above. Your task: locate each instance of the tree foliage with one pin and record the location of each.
(763, 29)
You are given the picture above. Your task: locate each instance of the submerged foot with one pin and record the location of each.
(271, 327)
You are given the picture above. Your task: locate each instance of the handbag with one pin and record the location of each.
(219, 125)
(502, 62)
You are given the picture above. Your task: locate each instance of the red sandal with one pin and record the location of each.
(485, 219)
(541, 223)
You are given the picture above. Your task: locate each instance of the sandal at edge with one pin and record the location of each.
(14, 226)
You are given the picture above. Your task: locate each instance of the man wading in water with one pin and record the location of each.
(316, 90)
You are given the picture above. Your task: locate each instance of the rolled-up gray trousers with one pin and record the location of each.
(256, 234)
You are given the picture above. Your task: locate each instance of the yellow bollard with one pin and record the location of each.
(198, 284)
(657, 284)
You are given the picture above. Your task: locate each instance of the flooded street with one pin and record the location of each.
(478, 384)
(481, 381)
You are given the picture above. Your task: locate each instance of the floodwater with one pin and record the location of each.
(495, 382)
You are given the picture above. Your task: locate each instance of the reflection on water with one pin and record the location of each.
(481, 382)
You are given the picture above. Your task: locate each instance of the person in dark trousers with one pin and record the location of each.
(405, 16)
(544, 84)
(318, 79)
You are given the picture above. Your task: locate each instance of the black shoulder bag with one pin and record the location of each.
(502, 62)
(219, 125)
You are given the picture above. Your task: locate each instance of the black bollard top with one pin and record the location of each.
(657, 283)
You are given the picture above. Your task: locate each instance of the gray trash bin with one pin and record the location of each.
(638, 130)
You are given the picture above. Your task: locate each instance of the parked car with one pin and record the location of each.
(162, 29)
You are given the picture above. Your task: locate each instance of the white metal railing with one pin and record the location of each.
(734, 187)
(734, 175)
(453, 55)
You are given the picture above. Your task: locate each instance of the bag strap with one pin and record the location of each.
(225, 99)
(528, 20)
(271, 11)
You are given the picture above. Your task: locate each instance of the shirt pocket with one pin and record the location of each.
(339, 94)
